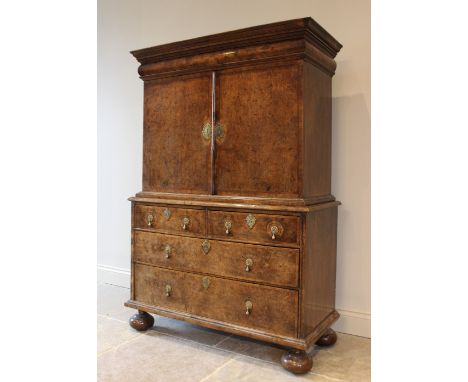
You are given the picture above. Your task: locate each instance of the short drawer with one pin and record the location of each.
(250, 305)
(261, 228)
(170, 219)
(271, 265)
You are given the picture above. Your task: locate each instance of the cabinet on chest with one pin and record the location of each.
(235, 226)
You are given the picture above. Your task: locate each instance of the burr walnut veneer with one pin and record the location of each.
(235, 228)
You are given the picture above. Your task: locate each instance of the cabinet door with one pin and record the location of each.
(176, 156)
(259, 110)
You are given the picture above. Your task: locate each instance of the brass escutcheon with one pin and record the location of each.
(166, 213)
(250, 220)
(205, 282)
(206, 131)
(206, 246)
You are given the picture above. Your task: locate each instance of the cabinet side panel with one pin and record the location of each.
(317, 131)
(318, 268)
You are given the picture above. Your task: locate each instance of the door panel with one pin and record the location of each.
(259, 111)
(176, 157)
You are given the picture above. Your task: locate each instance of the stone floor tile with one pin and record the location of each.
(158, 357)
(250, 370)
(337, 361)
(360, 371)
(110, 302)
(251, 348)
(187, 331)
(111, 333)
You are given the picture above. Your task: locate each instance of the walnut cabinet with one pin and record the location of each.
(235, 227)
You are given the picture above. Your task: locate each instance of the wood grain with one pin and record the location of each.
(176, 158)
(321, 51)
(274, 309)
(290, 232)
(270, 265)
(318, 269)
(260, 153)
(174, 224)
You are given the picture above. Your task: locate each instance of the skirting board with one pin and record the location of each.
(355, 323)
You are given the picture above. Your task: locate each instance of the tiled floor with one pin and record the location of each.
(176, 351)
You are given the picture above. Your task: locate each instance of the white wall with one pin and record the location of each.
(133, 24)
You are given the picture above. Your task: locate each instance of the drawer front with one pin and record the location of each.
(269, 309)
(272, 265)
(261, 228)
(170, 219)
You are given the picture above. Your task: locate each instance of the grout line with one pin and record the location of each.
(215, 370)
(112, 318)
(120, 344)
(224, 339)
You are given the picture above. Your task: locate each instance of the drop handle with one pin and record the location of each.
(168, 290)
(248, 265)
(149, 219)
(185, 223)
(248, 308)
(274, 231)
(228, 226)
(168, 251)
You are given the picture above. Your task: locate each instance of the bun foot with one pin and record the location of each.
(141, 321)
(328, 338)
(296, 361)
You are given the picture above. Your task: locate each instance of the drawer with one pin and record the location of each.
(170, 219)
(269, 309)
(272, 265)
(262, 228)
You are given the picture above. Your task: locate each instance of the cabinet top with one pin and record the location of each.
(306, 29)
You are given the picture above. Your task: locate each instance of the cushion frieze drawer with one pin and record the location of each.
(271, 265)
(260, 228)
(170, 219)
(251, 305)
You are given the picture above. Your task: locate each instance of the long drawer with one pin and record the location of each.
(251, 305)
(170, 219)
(271, 265)
(258, 228)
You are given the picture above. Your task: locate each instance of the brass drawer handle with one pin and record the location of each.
(185, 223)
(168, 251)
(274, 231)
(149, 219)
(168, 290)
(248, 307)
(228, 226)
(248, 265)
